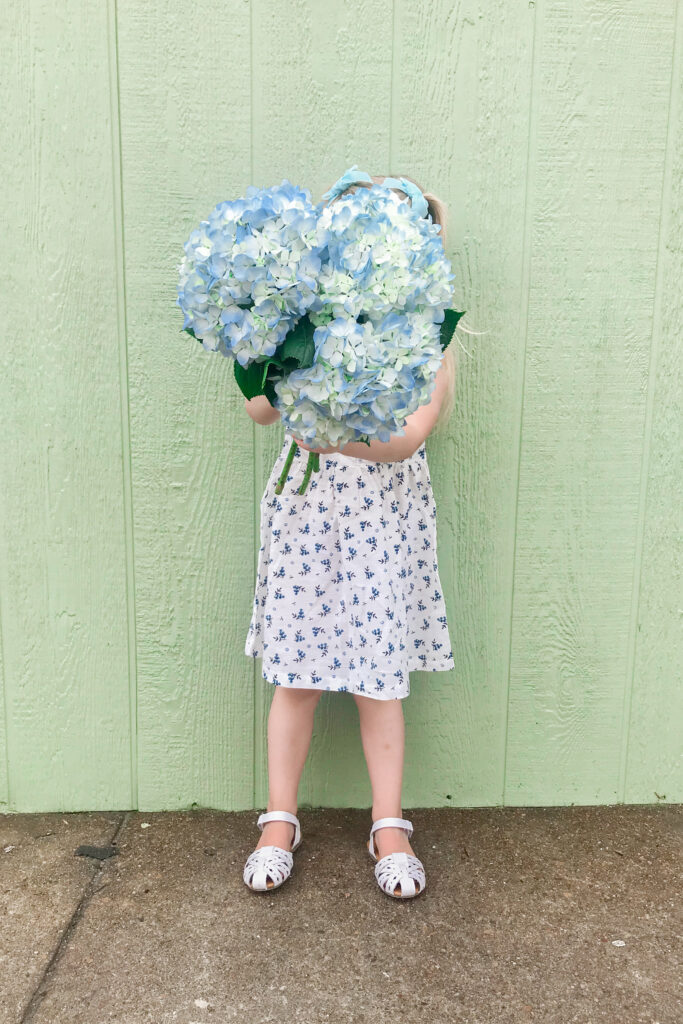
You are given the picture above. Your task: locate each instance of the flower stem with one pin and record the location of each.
(313, 465)
(285, 469)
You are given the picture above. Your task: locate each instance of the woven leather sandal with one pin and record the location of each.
(398, 874)
(268, 867)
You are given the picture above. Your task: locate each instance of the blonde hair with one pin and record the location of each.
(437, 210)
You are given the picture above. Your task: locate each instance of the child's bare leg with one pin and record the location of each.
(290, 727)
(382, 730)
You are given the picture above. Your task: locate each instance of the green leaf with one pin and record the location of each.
(297, 351)
(250, 379)
(450, 322)
(269, 392)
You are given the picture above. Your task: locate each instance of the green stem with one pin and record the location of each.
(312, 465)
(285, 469)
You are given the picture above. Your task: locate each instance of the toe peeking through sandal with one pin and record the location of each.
(267, 867)
(400, 874)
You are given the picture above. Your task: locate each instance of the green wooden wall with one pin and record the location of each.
(131, 476)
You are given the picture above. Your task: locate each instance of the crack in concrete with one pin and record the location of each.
(89, 891)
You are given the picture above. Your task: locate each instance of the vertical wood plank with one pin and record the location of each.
(598, 136)
(185, 98)
(63, 588)
(4, 760)
(653, 756)
(325, 69)
(460, 126)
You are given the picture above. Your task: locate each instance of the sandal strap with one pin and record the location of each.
(389, 823)
(276, 816)
(393, 823)
(281, 816)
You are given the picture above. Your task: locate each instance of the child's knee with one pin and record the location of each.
(300, 695)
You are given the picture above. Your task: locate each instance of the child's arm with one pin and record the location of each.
(261, 411)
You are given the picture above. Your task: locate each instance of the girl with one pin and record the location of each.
(348, 599)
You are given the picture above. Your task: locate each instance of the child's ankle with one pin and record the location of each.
(280, 805)
(377, 814)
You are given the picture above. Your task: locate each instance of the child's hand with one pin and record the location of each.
(320, 451)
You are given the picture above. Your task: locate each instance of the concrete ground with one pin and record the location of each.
(552, 915)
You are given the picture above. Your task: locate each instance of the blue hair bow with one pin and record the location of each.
(350, 177)
(417, 200)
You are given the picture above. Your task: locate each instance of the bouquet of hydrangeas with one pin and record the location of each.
(337, 314)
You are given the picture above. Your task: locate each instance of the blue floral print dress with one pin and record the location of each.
(348, 596)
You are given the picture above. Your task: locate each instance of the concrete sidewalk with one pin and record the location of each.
(553, 915)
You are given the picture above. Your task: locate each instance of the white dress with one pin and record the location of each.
(348, 596)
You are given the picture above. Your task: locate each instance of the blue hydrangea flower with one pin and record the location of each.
(383, 287)
(250, 271)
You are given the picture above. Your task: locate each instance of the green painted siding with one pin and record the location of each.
(131, 476)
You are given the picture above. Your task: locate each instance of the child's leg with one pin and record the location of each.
(382, 730)
(290, 727)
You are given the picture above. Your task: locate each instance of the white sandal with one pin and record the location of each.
(268, 867)
(400, 874)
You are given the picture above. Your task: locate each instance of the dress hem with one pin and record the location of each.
(305, 682)
(376, 695)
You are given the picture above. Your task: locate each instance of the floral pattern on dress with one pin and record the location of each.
(348, 596)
